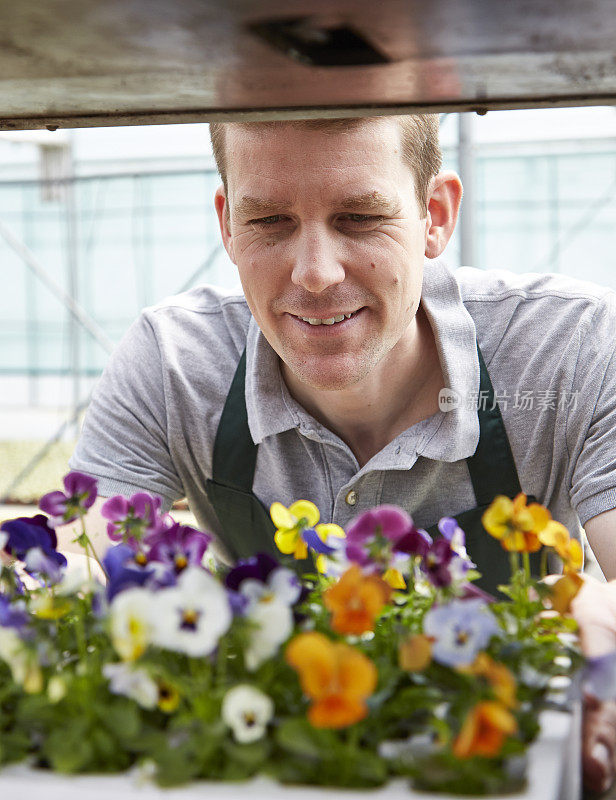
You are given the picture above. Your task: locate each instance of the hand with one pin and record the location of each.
(594, 609)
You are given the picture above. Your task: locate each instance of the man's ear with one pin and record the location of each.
(222, 209)
(444, 196)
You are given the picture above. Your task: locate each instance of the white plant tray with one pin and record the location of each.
(553, 774)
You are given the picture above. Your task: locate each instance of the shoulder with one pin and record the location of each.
(541, 310)
(204, 319)
(478, 285)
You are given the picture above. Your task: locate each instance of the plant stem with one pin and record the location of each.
(526, 560)
(544, 562)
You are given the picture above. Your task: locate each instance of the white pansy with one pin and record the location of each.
(273, 623)
(132, 622)
(131, 682)
(77, 578)
(285, 584)
(22, 661)
(247, 711)
(192, 615)
(281, 583)
(56, 688)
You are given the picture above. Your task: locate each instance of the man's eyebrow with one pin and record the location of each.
(372, 201)
(249, 207)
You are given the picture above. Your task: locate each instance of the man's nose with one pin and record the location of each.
(316, 265)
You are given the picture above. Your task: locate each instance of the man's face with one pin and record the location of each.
(323, 225)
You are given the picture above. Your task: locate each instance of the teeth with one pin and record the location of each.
(329, 321)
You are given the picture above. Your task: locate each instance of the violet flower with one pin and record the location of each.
(436, 563)
(123, 571)
(12, 615)
(459, 631)
(63, 507)
(133, 518)
(390, 522)
(178, 546)
(26, 533)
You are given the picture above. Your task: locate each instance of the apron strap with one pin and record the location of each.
(492, 468)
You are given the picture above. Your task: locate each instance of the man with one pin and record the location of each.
(350, 343)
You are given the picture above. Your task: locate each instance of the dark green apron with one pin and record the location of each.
(246, 525)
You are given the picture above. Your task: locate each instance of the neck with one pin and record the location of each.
(400, 391)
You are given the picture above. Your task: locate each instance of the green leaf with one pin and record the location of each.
(297, 736)
(68, 749)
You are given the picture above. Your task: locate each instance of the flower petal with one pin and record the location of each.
(305, 509)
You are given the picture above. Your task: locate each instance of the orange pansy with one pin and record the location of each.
(484, 731)
(335, 676)
(356, 600)
(499, 677)
(415, 653)
(564, 590)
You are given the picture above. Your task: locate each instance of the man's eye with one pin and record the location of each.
(268, 220)
(361, 220)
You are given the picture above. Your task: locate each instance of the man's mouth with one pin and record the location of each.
(329, 320)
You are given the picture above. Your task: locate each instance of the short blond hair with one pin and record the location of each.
(421, 148)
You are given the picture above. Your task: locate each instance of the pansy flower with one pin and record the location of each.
(247, 711)
(459, 630)
(26, 534)
(78, 496)
(484, 731)
(133, 682)
(356, 600)
(516, 524)
(297, 531)
(131, 519)
(336, 677)
(192, 615)
(570, 551)
(267, 593)
(13, 614)
(22, 660)
(132, 622)
(177, 546)
(384, 539)
(125, 570)
(499, 678)
(415, 652)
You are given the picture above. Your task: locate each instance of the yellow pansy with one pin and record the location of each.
(515, 524)
(290, 522)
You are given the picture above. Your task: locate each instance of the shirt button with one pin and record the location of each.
(397, 450)
(351, 498)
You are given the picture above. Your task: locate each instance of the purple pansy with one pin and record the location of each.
(78, 495)
(12, 615)
(133, 518)
(123, 571)
(436, 563)
(459, 631)
(178, 546)
(390, 522)
(26, 533)
(257, 567)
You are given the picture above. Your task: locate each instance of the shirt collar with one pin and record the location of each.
(456, 339)
(271, 410)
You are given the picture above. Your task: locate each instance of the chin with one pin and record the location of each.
(327, 374)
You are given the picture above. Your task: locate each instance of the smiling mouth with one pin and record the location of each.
(330, 320)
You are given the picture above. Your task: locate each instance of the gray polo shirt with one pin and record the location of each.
(548, 342)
